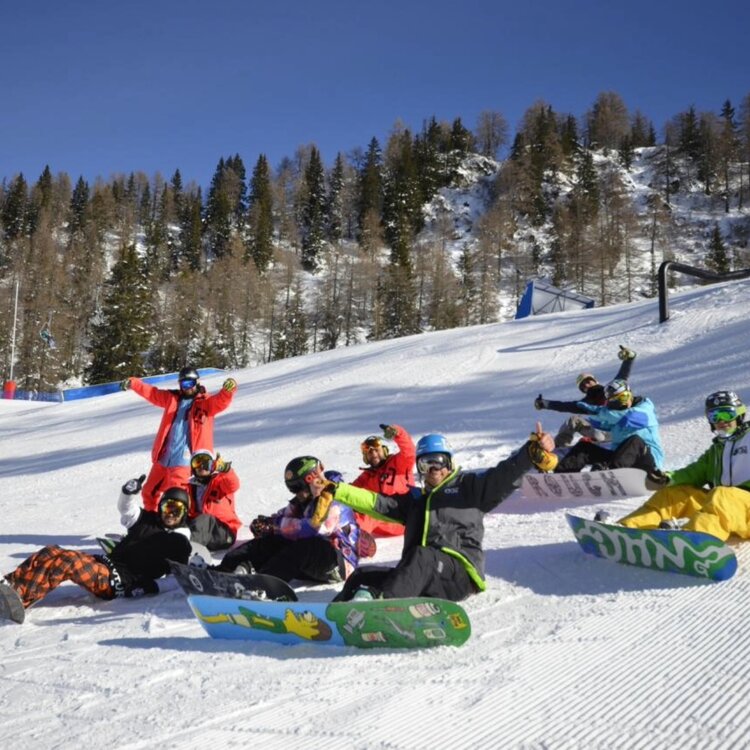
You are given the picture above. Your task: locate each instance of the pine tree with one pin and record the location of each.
(717, 259)
(370, 200)
(261, 215)
(78, 205)
(15, 209)
(312, 220)
(335, 201)
(727, 147)
(122, 335)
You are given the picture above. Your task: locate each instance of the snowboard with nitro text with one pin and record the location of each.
(689, 552)
(210, 582)
(610, 484)
(381, 623)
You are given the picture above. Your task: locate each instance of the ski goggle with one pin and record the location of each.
(188, 383)
(202, 461)
(432, 461)
(722, 414)
(301, 483)
(173, 509)
(371, 442)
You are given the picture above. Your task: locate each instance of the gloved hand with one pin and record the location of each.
(540, 403)
(656, 480)
(323, 504)
(540, 447)
(389, 432)
(133, 486)
(625, 354)
(229, 385)
(262, 526)
(220, 465)
(125, 385)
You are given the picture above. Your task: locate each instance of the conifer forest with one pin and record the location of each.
(417, 230)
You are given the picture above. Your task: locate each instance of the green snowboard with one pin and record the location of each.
(382, 623)
(689, 552)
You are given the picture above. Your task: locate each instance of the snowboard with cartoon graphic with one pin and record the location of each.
(418, 622)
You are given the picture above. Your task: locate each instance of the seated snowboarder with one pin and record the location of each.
(212, 516)
(713, 492)
(387, 473)
(133, 565)
(634, 429)
(310, 539)
(443, 522)
(593, 394)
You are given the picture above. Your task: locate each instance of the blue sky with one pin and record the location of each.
(98, 88)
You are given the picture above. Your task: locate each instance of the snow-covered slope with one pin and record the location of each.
(567, 650)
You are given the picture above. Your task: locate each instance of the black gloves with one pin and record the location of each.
(540, 403)
(262, 526)
(656, 480)
(133, 486)
(625, 354)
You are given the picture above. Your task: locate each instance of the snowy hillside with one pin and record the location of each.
(567, 651)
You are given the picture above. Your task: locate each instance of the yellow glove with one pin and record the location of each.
(542, 459)
(323, 505)
(229, 385)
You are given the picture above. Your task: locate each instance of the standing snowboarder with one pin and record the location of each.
(186, 425)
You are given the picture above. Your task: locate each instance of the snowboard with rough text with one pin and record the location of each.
(610, 484)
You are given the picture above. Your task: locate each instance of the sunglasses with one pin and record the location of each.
(722, 414)
(432, 461)
(173, 509)
(202, 461)
(188, 383)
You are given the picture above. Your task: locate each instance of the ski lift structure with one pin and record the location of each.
(541, 297)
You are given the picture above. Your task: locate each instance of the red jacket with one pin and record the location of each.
(200, 416)
(218, 498)
(393, 477)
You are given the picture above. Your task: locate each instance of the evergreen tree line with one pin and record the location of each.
(135, 275)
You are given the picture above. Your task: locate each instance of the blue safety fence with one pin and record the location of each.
(102, 389)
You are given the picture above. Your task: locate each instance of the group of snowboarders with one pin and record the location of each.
(328, 525)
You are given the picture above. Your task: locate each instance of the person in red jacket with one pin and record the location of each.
(386, 473)
(212, 516)
(186, 425)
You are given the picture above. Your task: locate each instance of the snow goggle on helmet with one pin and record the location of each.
(725, 414)
(188, 383)
(202, 462)
(433, 461)
(173, 508)
(374, 441)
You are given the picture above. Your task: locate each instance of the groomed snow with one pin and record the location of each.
(567, 651)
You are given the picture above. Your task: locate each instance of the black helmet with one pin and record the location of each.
(723, 398)
(728, 401)
(172, 499)
(188, 373)
(296, 471)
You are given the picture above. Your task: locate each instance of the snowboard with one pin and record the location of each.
(610, 484)
(692, 553)
(11, 606)
(381, 623)
(211, 582)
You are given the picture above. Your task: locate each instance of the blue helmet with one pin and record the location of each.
(431, 444)
(434, 443)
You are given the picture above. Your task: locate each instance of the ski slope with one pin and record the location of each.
(567, 651)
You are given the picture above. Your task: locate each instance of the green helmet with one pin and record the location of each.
(298, 469)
